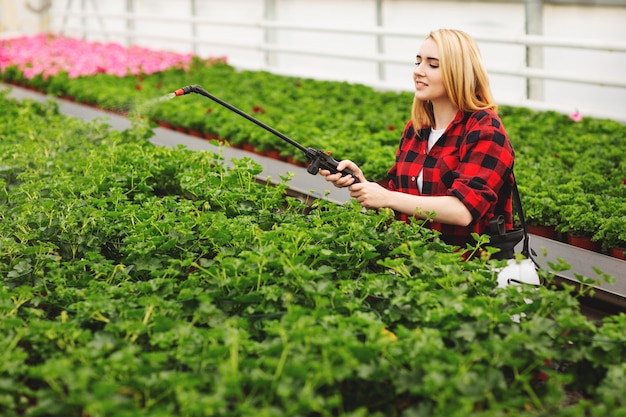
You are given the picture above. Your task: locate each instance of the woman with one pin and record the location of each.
(454, 158)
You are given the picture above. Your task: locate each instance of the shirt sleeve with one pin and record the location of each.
(486, 162)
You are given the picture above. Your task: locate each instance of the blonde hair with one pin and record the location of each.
(464, 77)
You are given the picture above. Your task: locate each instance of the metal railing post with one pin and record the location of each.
(94, 6)
(380, 39)
(194, 26)
(83, 20)
(270, 35)
(68, 9)
(130, 22)
(534, 54)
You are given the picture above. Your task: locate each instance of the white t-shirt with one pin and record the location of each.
(432, 139)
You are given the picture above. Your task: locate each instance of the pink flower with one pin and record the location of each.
(576, 116)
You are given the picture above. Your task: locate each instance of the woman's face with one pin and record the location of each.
(427, 74)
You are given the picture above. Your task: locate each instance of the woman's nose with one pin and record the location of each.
(418, 69)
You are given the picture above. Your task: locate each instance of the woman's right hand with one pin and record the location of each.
(341, 181)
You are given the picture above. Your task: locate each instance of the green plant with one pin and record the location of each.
(612, 229)
(580, 217)
(149, 281)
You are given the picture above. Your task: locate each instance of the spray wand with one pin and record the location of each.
(319, 159)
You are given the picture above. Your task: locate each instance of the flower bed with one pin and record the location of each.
(47, 55)
(151, 281)
(571, 170)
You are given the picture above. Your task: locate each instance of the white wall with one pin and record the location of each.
(588, 23)
(485, 19)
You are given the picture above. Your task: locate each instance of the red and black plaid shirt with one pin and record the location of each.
(472, 161)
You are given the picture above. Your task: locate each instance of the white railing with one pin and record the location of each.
(528, 40)
(127, 29)
(526, 72)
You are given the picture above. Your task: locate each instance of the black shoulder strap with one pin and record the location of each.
(520, 213)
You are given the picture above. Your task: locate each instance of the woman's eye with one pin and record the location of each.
(434, 66)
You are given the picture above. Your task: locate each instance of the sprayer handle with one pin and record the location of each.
(320, 159)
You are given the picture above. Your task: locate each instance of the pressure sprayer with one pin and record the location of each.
(319, 159)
